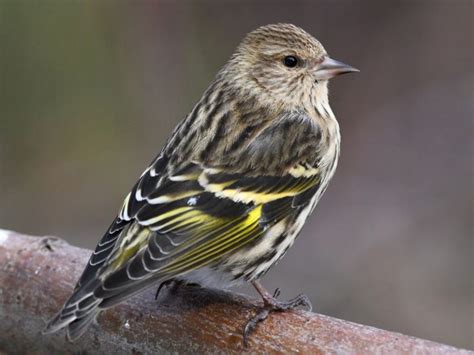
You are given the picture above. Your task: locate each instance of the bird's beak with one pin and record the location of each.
(329, 68)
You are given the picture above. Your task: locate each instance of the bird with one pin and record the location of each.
(231, 188)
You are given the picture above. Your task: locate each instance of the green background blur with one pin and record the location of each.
(89, 91)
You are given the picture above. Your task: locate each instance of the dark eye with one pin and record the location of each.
(290, 61)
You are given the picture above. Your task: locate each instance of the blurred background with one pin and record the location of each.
(89, 91)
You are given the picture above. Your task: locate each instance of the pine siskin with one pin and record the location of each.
(233, 186)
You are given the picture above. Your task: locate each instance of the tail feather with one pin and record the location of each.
(80, 310)
(59, 321)
(115, 298)
(78, 327)
(77, 313)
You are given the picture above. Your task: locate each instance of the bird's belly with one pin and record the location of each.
(279, 242)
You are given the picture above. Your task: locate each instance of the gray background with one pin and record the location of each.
(89, 91)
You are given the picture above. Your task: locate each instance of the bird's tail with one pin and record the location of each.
(77, 313)
(87, 302)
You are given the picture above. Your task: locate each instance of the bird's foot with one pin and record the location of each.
(173, 285)
(271, 304)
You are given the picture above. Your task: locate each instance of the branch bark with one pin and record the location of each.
(38, 273)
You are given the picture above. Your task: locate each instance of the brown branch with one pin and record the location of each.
(37, 274)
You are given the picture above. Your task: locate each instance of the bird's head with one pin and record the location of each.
(285, 64)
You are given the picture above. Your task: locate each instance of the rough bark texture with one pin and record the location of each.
(38, 273)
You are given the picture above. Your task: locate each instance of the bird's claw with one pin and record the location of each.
(261, 315)
(173, 283)
(272, 305)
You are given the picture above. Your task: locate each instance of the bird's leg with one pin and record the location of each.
(271, 304)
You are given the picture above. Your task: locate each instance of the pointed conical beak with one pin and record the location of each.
(329, 68)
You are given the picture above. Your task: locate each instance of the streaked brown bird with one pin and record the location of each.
(231, 189)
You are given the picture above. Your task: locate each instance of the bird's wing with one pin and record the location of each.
(192, 220)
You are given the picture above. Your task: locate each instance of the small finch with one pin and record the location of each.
(231, 189)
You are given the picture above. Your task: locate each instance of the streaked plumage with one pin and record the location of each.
(232, 187)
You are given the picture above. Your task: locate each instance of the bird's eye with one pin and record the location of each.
(290, 61)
